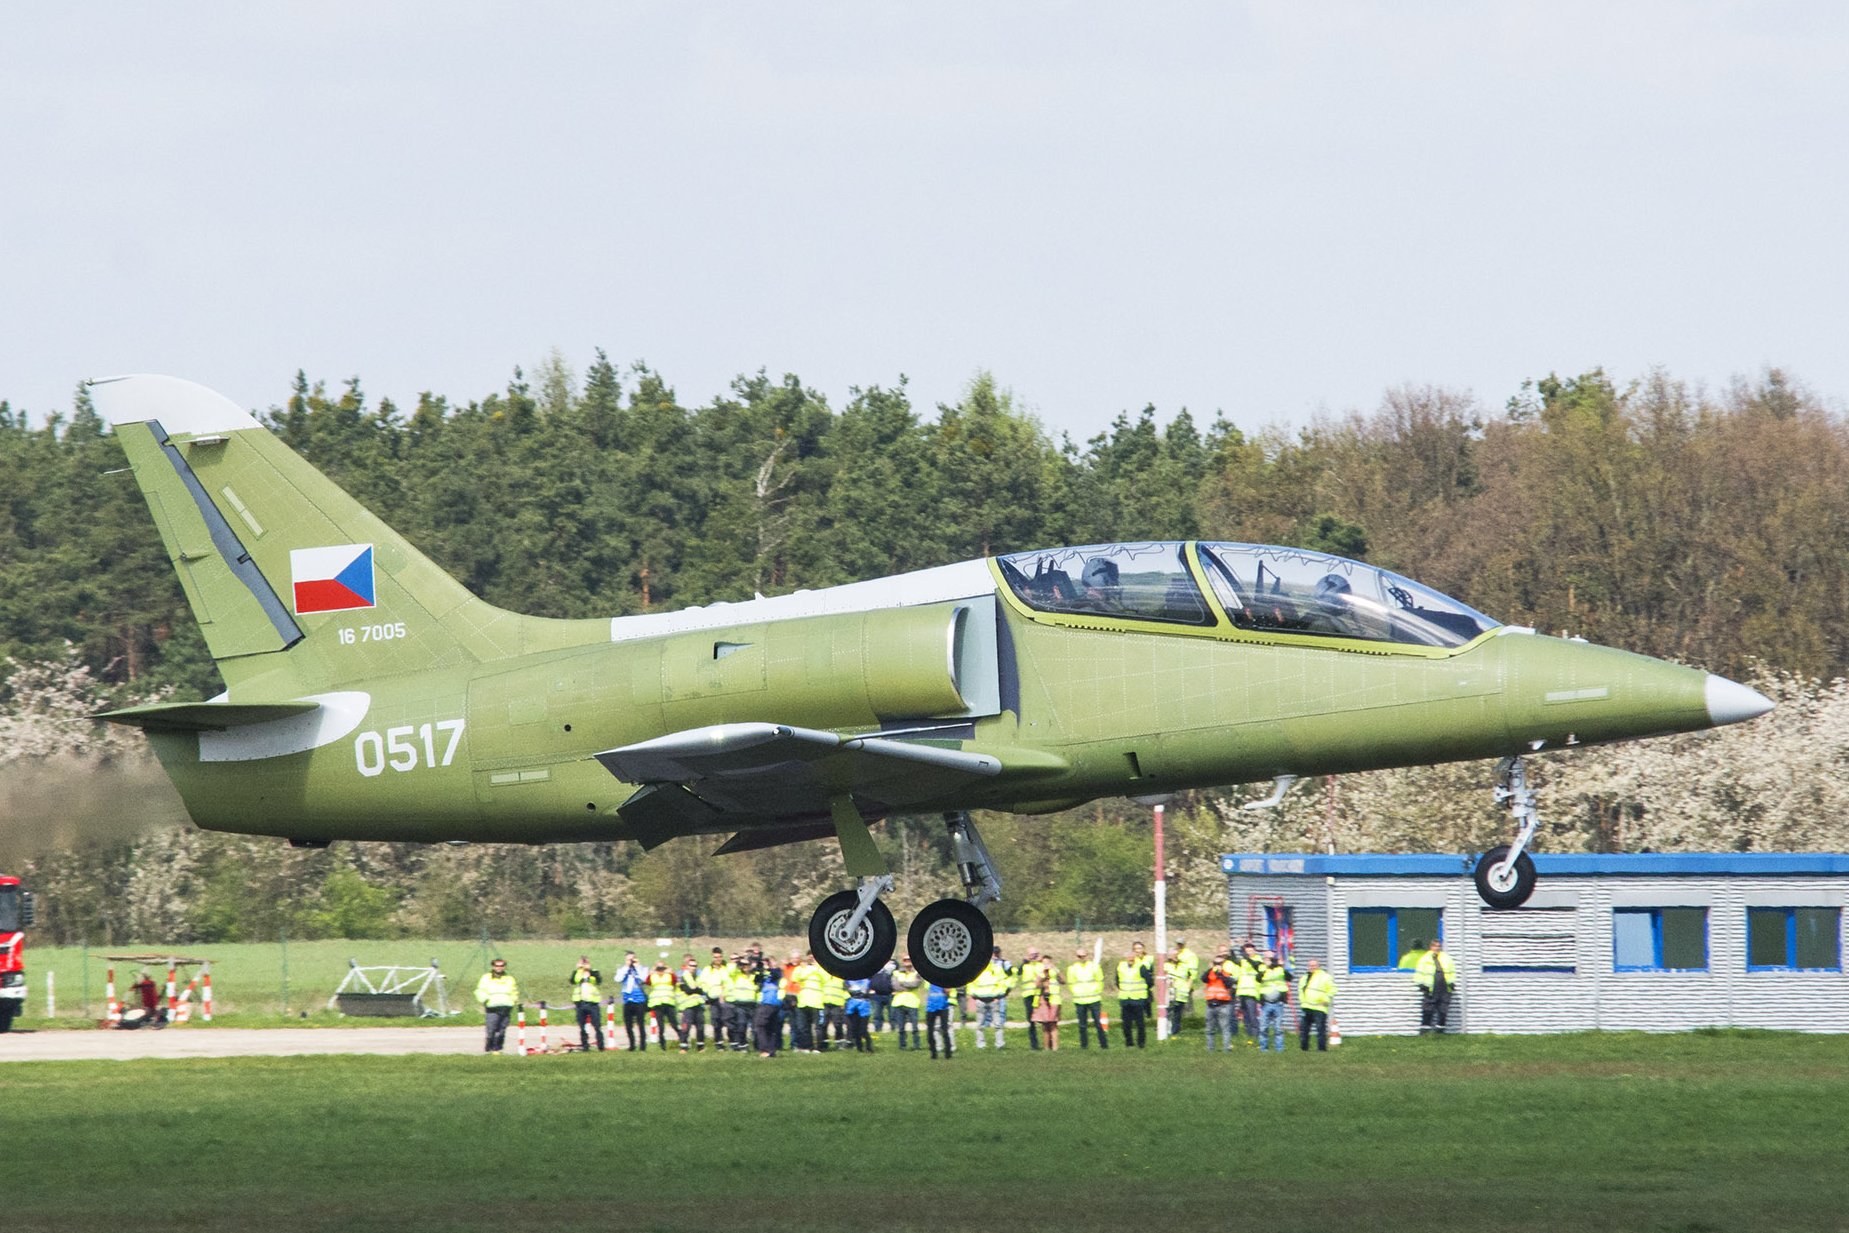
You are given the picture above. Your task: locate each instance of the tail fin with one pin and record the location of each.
(290, 579)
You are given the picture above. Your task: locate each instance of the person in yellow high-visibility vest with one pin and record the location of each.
(1085, 983)
(498, 993)
(1315, 998)
(1436, 977)
(1188, 965)
(834, 1012)
(586, 999)
(1027, 980)
(1134, 980)
(716, 987)
(810, 980)
(1246, 990)
(1273, 1000)
(990, 989)
(743, 977)
(907, 1001)
(1181, 974)
(664, 1002)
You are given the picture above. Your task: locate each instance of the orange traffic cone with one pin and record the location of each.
(1335, 1030)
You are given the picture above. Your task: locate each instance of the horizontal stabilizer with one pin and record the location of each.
(206, 716)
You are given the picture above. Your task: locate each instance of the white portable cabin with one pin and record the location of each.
(1636, 942)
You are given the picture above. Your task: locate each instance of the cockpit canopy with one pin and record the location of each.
(1260, 588)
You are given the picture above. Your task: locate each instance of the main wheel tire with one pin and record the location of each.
(8, 1008)
(856, 956)
(950, 943)
(1504, 888)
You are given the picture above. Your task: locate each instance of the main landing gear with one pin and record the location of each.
(1505, 873)
(853, 934)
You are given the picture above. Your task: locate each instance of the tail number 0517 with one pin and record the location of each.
(407, 748)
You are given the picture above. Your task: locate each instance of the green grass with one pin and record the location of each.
(248, 978)
(1720, 1131)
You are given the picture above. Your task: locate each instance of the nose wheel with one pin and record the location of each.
(1502, 881)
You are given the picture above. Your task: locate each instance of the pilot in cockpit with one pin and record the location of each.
(1101, 590)
(1332, 612)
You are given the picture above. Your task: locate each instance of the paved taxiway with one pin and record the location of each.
(236, 1042)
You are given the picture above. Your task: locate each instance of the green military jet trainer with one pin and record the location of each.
(369, 696)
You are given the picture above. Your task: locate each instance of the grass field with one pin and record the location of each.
(1728, 1131)
(249, 978)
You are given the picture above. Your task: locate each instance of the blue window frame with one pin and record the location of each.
(1794, 939)
(1659, 939)
(1382, 939)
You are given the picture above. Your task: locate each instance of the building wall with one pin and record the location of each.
(1724, 995)
(1568, 921)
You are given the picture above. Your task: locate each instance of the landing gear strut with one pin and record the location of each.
(951, 940)
(1505, 873)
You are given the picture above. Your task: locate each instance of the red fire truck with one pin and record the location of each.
(15, 915)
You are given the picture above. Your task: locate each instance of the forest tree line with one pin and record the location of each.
(1707, 527)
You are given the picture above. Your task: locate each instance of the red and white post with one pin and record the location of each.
(1160, 1009)
(173, 999)
(542, 1028)
(205, 994)
(520, 1040)
(109, 991)
(609, 1025)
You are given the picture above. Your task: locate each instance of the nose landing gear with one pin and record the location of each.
(1505, 874)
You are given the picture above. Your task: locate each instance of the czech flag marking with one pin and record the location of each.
(332, 579)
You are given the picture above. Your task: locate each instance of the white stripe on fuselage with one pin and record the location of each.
(338, 714)
(964, 580)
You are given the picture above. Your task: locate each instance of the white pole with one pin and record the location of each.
(1160, 1009)
(51, 995)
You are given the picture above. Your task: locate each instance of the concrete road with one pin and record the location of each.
(242, 1042)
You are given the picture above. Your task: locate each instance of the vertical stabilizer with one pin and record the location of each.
(287, 574)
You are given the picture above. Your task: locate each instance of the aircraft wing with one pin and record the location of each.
(752, 776)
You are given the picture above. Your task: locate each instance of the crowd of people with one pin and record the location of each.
(749, 1002)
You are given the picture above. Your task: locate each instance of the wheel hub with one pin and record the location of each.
(1502, 877)
(947, 943)
(845, 945)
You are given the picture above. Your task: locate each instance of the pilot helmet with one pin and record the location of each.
(1332, 592)
(1100, 574)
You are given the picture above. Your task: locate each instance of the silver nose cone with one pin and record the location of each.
(1730, 702)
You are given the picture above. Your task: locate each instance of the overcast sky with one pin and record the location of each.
(1266, 210)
